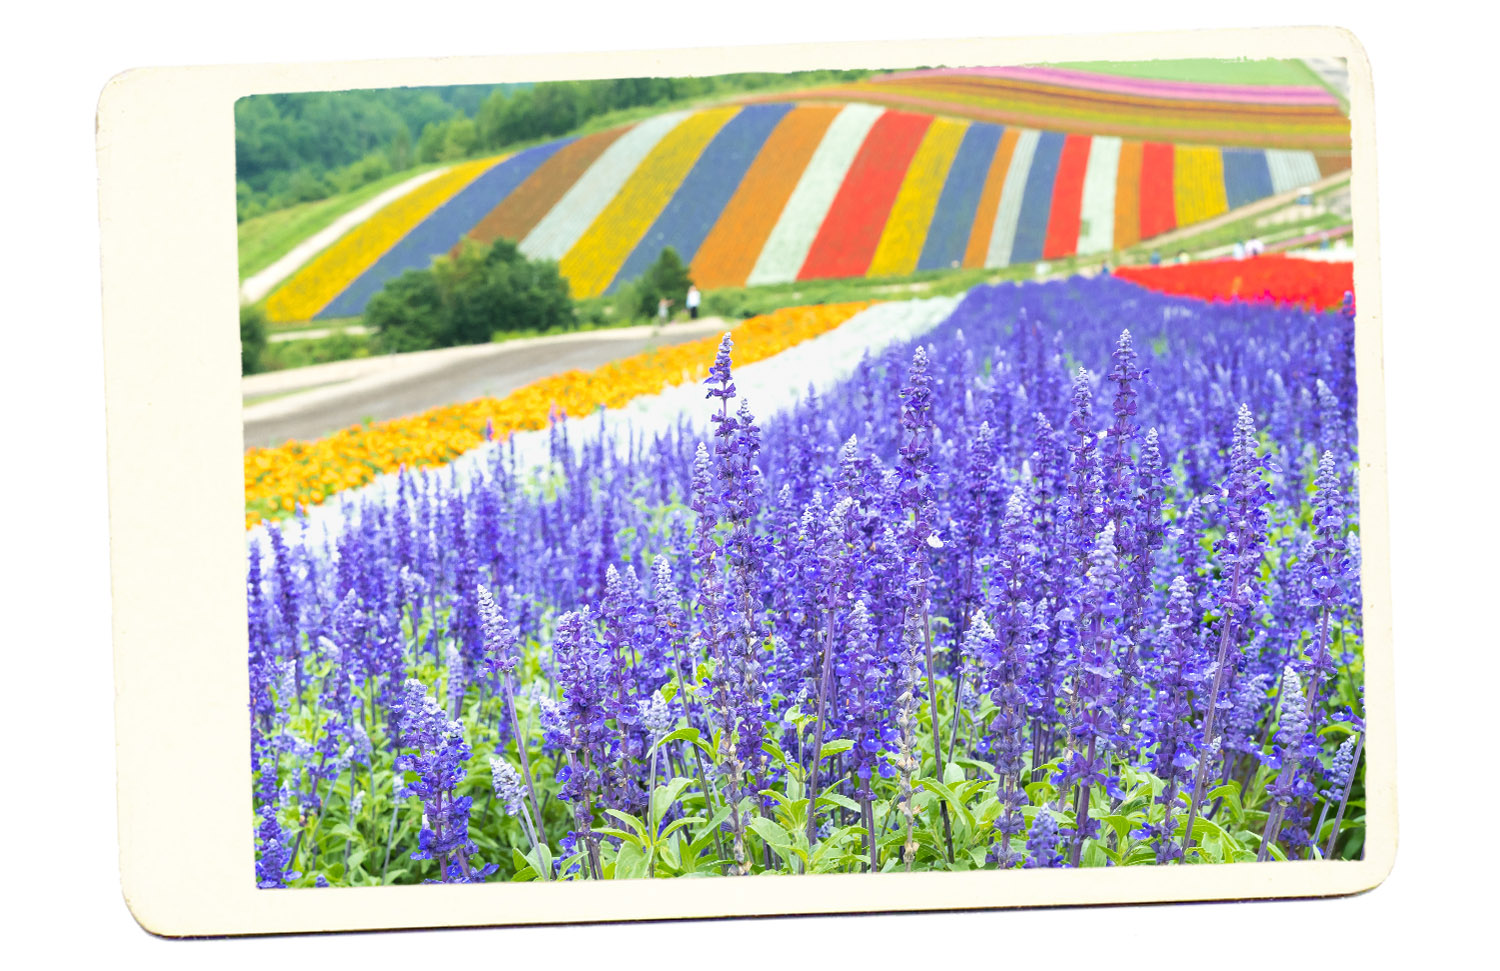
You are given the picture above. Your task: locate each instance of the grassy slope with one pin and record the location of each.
(268, 237)
(1205, 70)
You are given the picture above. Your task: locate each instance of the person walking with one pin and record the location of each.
(663, 310)
(693, 299)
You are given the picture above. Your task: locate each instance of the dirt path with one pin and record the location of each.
(380, 388)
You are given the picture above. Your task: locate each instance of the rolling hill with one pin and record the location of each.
(908, 171)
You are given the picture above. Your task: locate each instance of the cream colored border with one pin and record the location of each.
(166, 161)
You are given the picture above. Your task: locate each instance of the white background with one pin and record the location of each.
(1437, 191)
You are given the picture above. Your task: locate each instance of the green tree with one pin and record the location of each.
(252, 338)
(468, 298)
(460, 140)
(408, 314)
(430, 143)
(668, 277)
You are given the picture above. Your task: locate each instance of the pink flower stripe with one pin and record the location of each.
(1144, 87)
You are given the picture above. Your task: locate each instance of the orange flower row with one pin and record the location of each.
(279, 479)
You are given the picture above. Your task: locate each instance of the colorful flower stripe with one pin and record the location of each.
(1008, 215)
(1247, 176)
(769, 192)
(1198, 184)
(576, 211)
(1031, 226)
(949, 233)
(314, 286)
(787, 247)
(1266, 122)
(735, 242)
(1066, 218)
(1096, 232)
(255, 287)
(698, 202)
(441, 231)
(911, 214)
(846, 241)
(1128, 195)
(1262, 279)
(977, 253)
(518, 215)
(1292, 170)
(592, 262)
(279, 479)
(1158, 190)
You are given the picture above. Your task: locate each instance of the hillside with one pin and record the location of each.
(904, 172)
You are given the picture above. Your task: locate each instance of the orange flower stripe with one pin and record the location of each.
(280, 478)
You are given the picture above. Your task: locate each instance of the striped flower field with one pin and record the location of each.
(863, 181)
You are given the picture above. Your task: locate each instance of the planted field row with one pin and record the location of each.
(1262, 279)
(771, 193)
(1087, 103)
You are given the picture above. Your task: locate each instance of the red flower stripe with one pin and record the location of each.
(1067, 198)
(1158, 192)
(1263, 279)
(850, 232)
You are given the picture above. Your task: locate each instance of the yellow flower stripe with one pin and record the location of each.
(905, 230)
(599, 253)
(280, 478)
(1198, 184)
(315, 286)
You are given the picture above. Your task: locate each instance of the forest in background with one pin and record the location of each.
(300, 147)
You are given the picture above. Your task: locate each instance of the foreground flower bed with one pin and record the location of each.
(283, 477)
(991, 613)
(1260, 279)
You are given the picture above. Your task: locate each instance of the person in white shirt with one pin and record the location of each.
(693, 299)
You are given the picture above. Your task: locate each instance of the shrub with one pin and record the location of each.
(252, 339)
(468, 298)
(668, 277)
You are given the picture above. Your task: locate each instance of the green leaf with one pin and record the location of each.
(706, 834)
(630, 863)
(952, 799)
(1122, 825)
(831, 798)
(668, 794)
(677, 824)
(633, 822)
(770, 832)
(618, 834)
(680, 735)
(836, 747)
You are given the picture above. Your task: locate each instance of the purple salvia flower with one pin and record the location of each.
(274, 857)
(1173, 759)
(439, 760)
(1246, 494)
(1041, 842)
(1286, 755)
(509, 788)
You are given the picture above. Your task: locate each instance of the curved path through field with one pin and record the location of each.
(312, 402)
